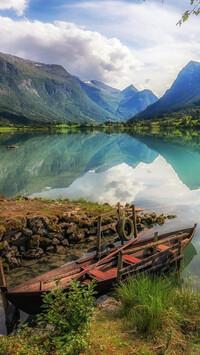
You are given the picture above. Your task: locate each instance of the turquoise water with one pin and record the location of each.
(156, 172)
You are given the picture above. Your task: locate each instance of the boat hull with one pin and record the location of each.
(28, 298)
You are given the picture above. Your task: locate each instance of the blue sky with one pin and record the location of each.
(118, 42)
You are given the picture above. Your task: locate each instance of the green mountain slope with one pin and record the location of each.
(184, 92)
(123, 104)
(35, 92)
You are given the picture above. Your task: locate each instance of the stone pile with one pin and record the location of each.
(32, 238)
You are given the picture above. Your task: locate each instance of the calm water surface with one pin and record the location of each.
(157, 172)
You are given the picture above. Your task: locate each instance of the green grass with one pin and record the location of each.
(145, 302)
(152, 305)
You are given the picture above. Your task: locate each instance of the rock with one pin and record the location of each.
(2, 231)
(14, 248)
(33, 253)
(64, 225)
(92, 238)
(54, 228)
(55, 241)
(92, 231)
(11, 259)
(22, 241)
(45, 242)
(4, 248)
(34, 224)
(107, 303)
(42, 232)
(65, 242)
(12, 318)
(50, 249)
(27, 232)
(60, 249)
(34, 241)
(26, 263)
(46, 222)
(12, 146)
(72, 229)
(15, 225)
(2, 198)
(15, 237)
(52, 235)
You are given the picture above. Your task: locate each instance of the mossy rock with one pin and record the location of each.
(15, 224)
(34, 241)
(45, 242)
(171, 216)
(6, 266)
(160, 220)
(149, 220)
(153, 215)
(2, 231)
(2, 245)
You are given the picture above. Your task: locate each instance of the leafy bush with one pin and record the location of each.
(63, 327)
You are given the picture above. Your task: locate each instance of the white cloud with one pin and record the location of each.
(149, 30)
(18, 5)
(84, 53)
(128, 43)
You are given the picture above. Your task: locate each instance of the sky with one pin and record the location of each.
(119, 42)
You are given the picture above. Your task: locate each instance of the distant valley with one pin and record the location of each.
(38, 93)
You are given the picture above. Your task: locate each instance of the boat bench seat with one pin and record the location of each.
(100, 275)
(131, 259)
(162, 247)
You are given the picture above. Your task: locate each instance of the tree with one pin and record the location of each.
(195, 10)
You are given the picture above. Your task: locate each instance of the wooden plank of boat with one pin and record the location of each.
(114, 253)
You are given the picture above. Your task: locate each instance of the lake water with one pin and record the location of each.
(159, 172)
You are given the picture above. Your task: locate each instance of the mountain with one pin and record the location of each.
(136, 103)
(32, 92)
(38, 93)
(103, 95)
(123, 104)
(184, 91)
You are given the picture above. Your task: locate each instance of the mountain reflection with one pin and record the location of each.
(65, 161)
(56, 160)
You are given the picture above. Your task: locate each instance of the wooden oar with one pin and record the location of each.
(82, 273)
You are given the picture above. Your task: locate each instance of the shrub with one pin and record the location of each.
(63, 327)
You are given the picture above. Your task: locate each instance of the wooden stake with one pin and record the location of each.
(3, 288)
(119, 265)
(155, 239)
(119, 211)
(178, 264)
(134, 221)
(99, 236)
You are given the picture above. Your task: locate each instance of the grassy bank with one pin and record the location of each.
(151, 316)
(154, 317)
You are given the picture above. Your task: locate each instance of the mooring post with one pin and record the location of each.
(3, 288)
(119, 265)
(134, 221)
(155, 239)
(119, 211)
(178, 263)
(99, 236)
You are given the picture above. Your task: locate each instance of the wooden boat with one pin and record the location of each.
(139, 255)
